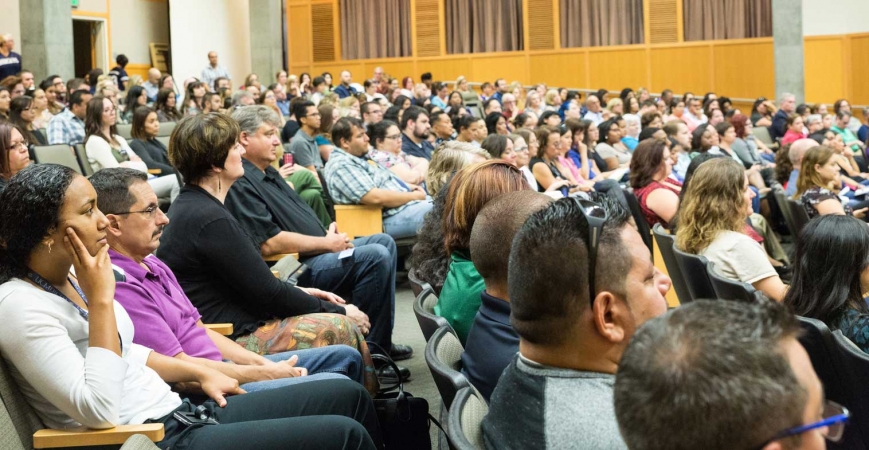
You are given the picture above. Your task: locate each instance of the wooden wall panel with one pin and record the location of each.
(427, 23)
(541, 24)
(859, 59)
(510, 66)
(681, 68)
(617, 69)
(445, 69)
(323, 16)
(824, 75)
(299, 31)
(558, 69)
(662, 21)
(753, 78)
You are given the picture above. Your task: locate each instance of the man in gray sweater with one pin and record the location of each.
(558, 391)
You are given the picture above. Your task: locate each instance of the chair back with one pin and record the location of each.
(327, 196)
(163, 140)
(798, 214)
(125, 130)
(762, 135)
(856, 369)
(166, 129)
(693, 269)
(423, 308)
(782, 201)
(666, 242)
(443, 354)
(18, 421)
(727, 289)
(640, 219)
(82, 157)
(827, 360)
(470, 97)
(465, 420)
(416, 285)
(61, 154)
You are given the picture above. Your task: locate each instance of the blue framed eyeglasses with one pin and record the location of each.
(834, 418)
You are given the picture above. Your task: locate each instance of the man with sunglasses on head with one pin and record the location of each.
(723, 375)
(574, 313)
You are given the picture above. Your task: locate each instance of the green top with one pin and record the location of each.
(460, 296)
(848, 137)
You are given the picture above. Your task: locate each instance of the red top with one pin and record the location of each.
(643, 192)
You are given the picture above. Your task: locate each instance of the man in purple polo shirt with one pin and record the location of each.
(165, 319)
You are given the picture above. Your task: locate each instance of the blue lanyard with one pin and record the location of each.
(44, 284)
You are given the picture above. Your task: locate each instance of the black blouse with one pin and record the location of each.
(222, 272)
(154, 154)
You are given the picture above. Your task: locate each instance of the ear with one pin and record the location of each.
(610, 317)
(114, 224)
(244, 138)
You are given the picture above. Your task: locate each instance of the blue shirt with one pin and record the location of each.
(284, 106)
(630, 142)
(492, 344)
(344, 91)
(10, 65)
(350, 177)
(65, 128)
(422, 150)
(792, 183)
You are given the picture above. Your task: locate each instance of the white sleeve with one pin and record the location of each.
(746, 261)
(100, 152)
(138, 165)
(87, 389)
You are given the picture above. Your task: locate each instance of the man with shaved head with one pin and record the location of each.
(10, 62)
(795, 154)
(152, 86)
(492, 342)
(213, 71)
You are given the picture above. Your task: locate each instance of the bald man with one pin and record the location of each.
(152, 86)
(213, 71)
(795, 154)
(10, 62)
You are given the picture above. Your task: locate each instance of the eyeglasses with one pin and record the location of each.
(595, 218)
(149, 212)
(521, 149)
(23, 145)
(835, 417)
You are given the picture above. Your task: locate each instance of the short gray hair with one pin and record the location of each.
(786, 96)
(709, 374)
(250, 118)
(236, 98)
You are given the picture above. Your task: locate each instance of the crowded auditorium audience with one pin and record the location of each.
(522, 207)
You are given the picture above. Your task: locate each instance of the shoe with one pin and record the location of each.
(400, 352)
(386, 375)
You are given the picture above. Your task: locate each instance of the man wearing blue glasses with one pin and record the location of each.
(723, 375)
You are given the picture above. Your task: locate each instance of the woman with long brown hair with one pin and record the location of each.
(469, 192)
(820, 180)
(657, 193)
(712, 222)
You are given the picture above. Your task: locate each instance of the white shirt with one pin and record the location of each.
(739, 257)
(45, 342)
(100, 154)
(596, 117)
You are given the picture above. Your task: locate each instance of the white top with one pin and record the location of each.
(596, 117)
(45, 342)
(608, 151)
(739, 257)
(529, 177)
(100, 154)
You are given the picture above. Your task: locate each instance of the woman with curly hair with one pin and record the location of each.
(712, 224)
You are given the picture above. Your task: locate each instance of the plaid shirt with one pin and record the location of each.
(350, 177)
(65, 128)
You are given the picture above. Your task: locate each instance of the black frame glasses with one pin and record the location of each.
(595, 218)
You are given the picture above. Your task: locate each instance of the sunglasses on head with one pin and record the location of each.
(595, 218)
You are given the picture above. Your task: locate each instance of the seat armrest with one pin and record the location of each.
(277, 257)
(222, 328)
(81, 437)
(154, 171)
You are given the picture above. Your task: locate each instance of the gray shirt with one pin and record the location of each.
(536, 406)
(305, 151)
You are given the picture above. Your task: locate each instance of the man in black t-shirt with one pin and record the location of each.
(279, 221)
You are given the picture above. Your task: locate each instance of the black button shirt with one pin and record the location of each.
(265, 205)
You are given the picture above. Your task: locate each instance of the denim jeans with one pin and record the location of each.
(408, 221)
(323, 363)
(365, 279)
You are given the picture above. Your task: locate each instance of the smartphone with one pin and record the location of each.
(288, 159)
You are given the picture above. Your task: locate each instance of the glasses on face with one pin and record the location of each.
(23, 145)
(595, 218)
(148, 212)
(834, 418)
(521, 149)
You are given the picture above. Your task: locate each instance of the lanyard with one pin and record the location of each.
(44, 284)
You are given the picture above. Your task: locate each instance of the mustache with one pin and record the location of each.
(158, 231)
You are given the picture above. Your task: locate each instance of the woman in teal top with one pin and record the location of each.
(470, 190)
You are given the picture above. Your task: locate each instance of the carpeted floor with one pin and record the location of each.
(407, 332)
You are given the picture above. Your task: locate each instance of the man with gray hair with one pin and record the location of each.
(787, 106)
(242, 98)
(10, 62)
(279, 221)
(795, 154)
(722, 375)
